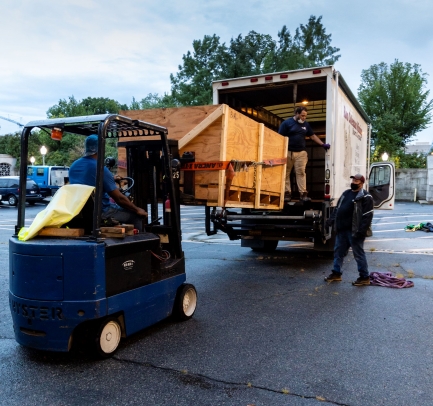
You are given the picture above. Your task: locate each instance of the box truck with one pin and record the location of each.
(338, 119)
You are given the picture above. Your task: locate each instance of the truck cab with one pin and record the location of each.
(48, 178)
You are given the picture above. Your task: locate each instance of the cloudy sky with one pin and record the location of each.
(51, 50)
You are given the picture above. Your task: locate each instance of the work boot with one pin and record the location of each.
(334, 277)
(287, 197)
(362, 281)
(304, 197)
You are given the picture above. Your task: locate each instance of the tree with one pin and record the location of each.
(153, 101)
(252, 55)
(313, 42)
(191, 86)
(88, 106)
(247, 56)
(395, 99)
(72, 146)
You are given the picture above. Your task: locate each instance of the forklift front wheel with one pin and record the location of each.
(185, 303)
(108, 337)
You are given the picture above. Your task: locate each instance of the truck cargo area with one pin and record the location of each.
(273, 102)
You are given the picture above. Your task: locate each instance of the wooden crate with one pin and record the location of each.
(225, 135)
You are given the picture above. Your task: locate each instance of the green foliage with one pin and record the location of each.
(250, 55)
(153, 101)
(313, 42)
(403, 160)
(88, 106)
(191, 86)
(395, 99)
(246, 56)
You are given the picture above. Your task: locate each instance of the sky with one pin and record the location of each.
(51, 50)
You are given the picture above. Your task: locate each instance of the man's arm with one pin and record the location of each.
(125, 203)
(317, 140)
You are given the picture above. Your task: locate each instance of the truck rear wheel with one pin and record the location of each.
(107, 337)
(185, 302)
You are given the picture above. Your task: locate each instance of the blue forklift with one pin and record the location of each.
(95, 290)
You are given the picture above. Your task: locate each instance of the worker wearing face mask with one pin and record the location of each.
(296, 129)
(352, 219)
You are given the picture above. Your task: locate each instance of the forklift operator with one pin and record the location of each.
(83, 171)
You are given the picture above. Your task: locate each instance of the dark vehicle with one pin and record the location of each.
(9, 190)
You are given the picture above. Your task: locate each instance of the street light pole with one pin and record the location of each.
(43, 153)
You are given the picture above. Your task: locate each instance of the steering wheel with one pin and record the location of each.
(127, 189)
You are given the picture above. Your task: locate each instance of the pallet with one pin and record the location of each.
(61, 232)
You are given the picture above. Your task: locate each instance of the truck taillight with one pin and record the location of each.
(327, 192)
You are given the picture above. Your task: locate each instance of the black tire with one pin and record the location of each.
(107, 337)
(185, 302)
(12, 200)
(269, 246)
(32, 203)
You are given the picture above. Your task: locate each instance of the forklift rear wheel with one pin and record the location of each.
(108, 337)
(185, 303)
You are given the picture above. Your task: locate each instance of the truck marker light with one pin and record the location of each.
(254, 80)
(316, 71)
(284, 76)
(269, 78)
(224, 83)
(327, 174)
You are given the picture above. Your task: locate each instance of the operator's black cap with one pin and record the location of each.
(358, 176)
(91, 145)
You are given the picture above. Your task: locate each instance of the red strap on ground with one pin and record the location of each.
(386, 280)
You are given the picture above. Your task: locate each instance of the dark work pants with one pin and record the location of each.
(343, 241)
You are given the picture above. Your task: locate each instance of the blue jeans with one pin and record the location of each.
(343, 241)
(124, 216)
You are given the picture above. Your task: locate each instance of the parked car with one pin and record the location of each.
(9, 190)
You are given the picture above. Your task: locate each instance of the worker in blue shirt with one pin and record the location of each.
(83, 172)
(296, 129)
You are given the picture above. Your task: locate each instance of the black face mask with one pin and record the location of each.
(354, 186)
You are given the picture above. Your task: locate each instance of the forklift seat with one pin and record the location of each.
(84, 219)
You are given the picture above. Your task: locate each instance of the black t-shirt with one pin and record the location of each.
(345, 212)
(296, 133)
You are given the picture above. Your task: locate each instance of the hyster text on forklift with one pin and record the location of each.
(337, 118)
(102, 289)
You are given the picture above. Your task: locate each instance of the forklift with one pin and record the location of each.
(95, 289)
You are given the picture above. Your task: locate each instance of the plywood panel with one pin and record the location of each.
(178, 120)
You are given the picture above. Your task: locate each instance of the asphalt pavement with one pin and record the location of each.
(267, 331)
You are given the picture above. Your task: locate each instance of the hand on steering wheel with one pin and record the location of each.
(118, 179)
